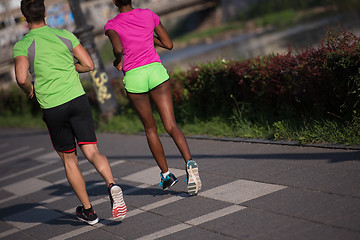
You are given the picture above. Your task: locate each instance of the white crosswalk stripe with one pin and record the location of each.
(12, 152)
(193, 222)
(240, 191)
(25, 154)
(233, 193)
(190, 223)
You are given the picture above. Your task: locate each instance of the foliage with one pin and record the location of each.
(14, 101)
(262, 8)
(312, 82)
(286, 91)
(308, 95)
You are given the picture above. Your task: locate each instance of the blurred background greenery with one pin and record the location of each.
(262, 96)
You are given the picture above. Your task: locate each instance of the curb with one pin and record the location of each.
(267, 141)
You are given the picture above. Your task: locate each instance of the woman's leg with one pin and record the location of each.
(162, 97)
(75, 177)
(100, 162)
(141, 103)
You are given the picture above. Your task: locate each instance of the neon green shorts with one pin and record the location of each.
(143, 79)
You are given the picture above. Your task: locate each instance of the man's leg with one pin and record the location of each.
(102, 165)
(75, 177)
(100, 162)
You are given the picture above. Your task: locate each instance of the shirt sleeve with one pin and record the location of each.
(19, 50)
(156, 19)
(109, 25)
(73, 39)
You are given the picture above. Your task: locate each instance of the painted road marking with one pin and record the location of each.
(23, 220)
(27, 186)
(34, 184)
(37, 167)
(241, 191)
(151, 175)
(42, 159)
(21, 149)
(51, 156)
(91, 171)
(38, 176)
(260, 191)
(74, 233)
(235, 192)
(193, 222)
(128, 214)
(94, 203)
(25, 171)
(21, 155)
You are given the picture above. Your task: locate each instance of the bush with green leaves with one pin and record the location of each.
(319, 82)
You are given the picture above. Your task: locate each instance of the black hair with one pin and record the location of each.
(121, 3)
(33, 10)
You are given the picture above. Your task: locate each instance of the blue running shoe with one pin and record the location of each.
(193, 179)
(168, 181)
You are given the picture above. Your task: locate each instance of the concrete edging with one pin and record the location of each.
(267, 141)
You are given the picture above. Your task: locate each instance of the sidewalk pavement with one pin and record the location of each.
(251, 190)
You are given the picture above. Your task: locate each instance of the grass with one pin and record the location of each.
(278, 19)
(21, 121)
(316, 131)
(209, 32)
(311, 131)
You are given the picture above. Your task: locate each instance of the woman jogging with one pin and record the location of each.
(48, 54)
(131, 34)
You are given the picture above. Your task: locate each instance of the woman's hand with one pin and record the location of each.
(118, 64)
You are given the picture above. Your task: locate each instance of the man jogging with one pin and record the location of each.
(48, 54)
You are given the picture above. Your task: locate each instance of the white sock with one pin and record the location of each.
(165, 174)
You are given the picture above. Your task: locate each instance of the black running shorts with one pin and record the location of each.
(69, 122)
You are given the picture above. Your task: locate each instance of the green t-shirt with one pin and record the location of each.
(50, 54)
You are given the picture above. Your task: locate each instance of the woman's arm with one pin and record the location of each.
(117, 47)
(162, 40)
(85, 63)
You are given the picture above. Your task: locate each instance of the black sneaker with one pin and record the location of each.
(167, 182)
(117, 202)
(88, 216)
(193, 179)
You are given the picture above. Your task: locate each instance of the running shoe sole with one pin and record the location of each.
(193, 181)
(93, 222)
(118, 207)
(172, 184)
(83, 218)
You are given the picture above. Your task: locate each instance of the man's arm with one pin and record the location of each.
(85, 63)
(117, 47)
(21, 74)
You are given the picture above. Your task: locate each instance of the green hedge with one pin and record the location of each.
(290, 94)
(321, 82)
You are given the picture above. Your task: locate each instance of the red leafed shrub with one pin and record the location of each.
(317, 82)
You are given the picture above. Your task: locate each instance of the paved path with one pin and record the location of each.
(250, 191)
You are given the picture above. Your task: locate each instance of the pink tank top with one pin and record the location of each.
(136, 29)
